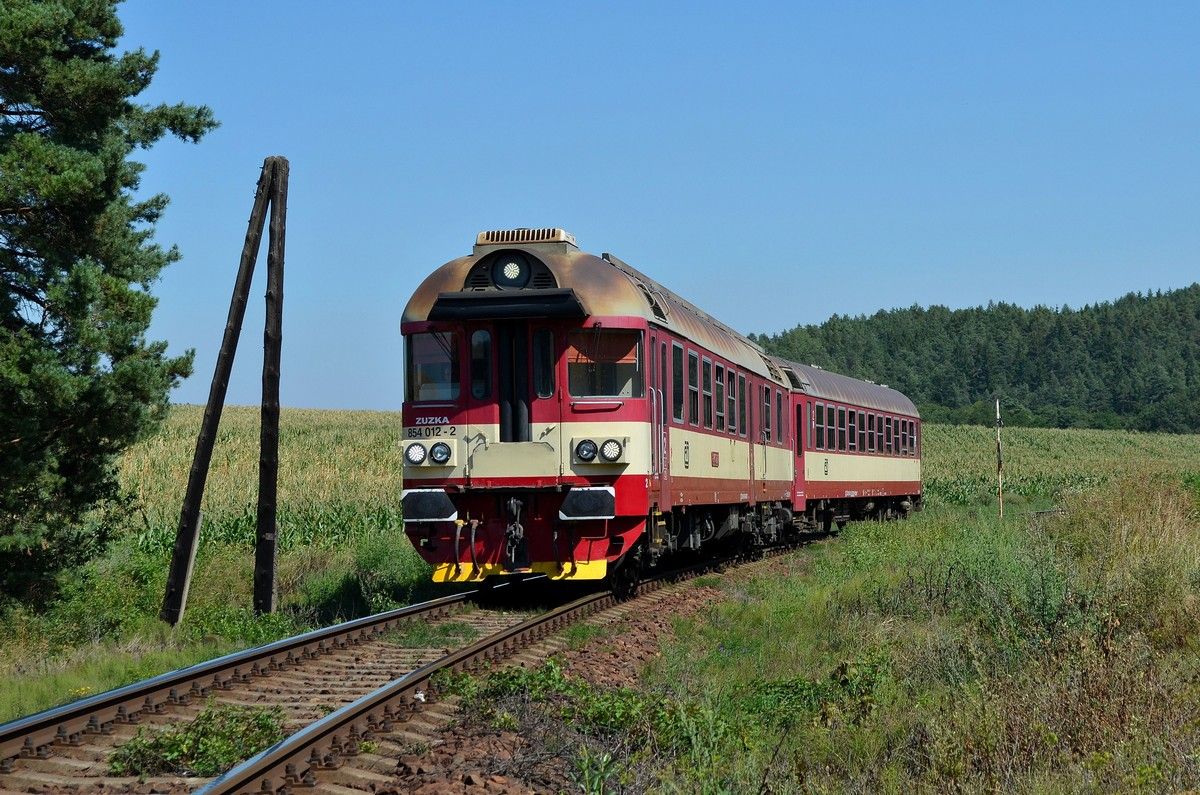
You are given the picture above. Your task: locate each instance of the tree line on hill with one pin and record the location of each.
(1133, 363)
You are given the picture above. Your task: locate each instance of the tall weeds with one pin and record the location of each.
(959, 652)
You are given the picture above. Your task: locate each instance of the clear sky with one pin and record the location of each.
(773, 163)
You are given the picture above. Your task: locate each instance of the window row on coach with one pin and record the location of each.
(833, 427)
(709, 394)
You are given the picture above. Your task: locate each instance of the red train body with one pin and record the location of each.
(568, 415)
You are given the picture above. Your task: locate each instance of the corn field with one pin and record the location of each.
(340, 471)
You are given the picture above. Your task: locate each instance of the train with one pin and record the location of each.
(567, 415)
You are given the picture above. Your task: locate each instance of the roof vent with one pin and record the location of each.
(508, 236)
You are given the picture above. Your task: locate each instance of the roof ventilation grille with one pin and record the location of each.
(478, 280)
(508, 236)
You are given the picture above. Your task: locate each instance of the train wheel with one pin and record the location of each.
(626, 574)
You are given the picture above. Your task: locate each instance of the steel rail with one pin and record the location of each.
(324, 745)
(34, 736)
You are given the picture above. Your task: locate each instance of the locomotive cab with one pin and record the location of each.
(524, 415)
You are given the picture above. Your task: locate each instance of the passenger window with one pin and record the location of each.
(719, 383)
(766, 413)
(779, 416)
(879, 434)
(742, 405)
(841, 428)
(481, 364)
(677, 382)
(862, 432)
(820, 425)
(543, 362)
(731, 401)
(871, 432)
(853, 435)
(604, 363)
(706, 384)
(887, 427)
(693, 388)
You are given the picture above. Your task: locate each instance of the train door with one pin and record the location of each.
(658, 419)
(800, 437)
(527, 395)
(762, 435)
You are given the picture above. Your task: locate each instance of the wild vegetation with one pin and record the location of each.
(211, 743)
(1052, 654)
(1131, 363)
(343, 553)
(956, 652)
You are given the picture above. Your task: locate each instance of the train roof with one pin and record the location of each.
(603, 286)
(606, 285)
(826, 385)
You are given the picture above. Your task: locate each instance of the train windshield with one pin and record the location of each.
(433, 373)
(604, 363)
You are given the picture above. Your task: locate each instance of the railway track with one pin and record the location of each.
(306, 676)
(353, 695)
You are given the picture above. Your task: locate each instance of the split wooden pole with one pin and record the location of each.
(269, 193)
(268, 455)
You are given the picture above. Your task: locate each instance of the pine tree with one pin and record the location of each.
(79, 381)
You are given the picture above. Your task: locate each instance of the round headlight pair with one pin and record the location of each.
(416, 453)
(611, 450)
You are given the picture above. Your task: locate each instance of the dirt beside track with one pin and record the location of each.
(473, 755)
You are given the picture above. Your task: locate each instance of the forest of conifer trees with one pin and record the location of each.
(1132, 363)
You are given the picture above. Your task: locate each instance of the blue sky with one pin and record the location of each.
(774, 163)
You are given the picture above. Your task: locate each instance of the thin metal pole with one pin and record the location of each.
(999, 460)
(268, 458)
(184, 555)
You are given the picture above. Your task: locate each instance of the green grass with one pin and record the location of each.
(211, 743)
(342, 553)
(578, 635)
(956, 652)
(422, 635)
(342, 548)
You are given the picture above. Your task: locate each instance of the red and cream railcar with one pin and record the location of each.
(566, 414)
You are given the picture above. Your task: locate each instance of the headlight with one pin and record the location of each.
(586, 450)
(440, 453)
(611, 450)
(415, 453)
(511, 271)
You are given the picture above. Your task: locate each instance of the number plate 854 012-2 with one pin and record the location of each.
(430, 431)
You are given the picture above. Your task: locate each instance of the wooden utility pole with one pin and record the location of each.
(268, 455)
(999, 460)
(186, 538)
